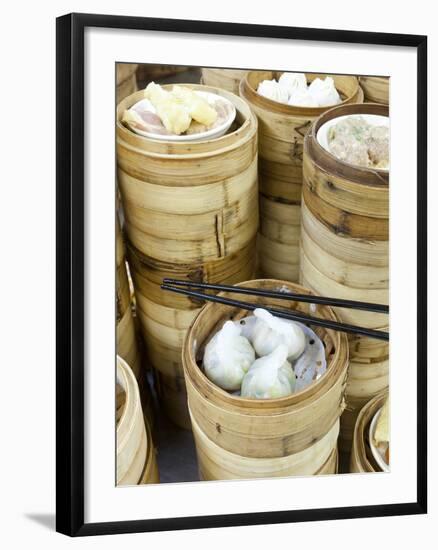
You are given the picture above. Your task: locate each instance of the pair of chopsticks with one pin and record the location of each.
(183, 287)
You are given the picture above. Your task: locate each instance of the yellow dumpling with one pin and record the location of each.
(173, 114)
(381, 435)
(198, 108)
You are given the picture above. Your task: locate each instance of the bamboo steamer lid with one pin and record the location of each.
(264, 428)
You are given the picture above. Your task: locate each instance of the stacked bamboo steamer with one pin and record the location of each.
(344, 254)
(361, 459)
(136, 461)
(281, 132)
(126, 79)
(238, 438)
(376, 88)
(228, 79)
(191, 213)
(126, 335)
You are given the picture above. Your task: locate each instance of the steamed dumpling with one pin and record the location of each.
(292, 82)
(198, 108)
(302, 98)
(269, 377)
(227, 357)
(272, 90)
(247, 326)
(324, 92)
(173, 114)
(269, 332)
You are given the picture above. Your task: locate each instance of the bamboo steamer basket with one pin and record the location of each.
(376, 88)
(344, 254)
(190, 202)
(216, 463)
(135, 452)
(362, 460)
(191, 212)
(271, 428)
(126, 80)
(281, 132)
(227, 79)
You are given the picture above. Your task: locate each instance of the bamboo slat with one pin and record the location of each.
(281, 132)
(344, 254)
(271, 428)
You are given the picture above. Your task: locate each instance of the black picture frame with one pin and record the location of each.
(70, 273)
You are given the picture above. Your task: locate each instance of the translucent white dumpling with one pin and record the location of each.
(302, 98)
(271, 331)
(324, 92)
(247, 326)
(272, 90)
(227, 357)
(293, 81)
(311, 364)
(269, 377)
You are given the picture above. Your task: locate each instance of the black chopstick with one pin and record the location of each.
(284, 314)
(311, 299)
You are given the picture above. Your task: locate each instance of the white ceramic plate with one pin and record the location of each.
(376, 454)
(375, 120)
(213, 133)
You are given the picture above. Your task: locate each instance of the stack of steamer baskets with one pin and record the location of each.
(136, 461)
(239, 438)
(344, 253)
(376, 89)
(281, 132)
(191, 211)
(227, 79)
